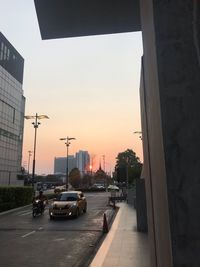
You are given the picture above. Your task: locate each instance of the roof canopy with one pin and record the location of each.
(70, 18)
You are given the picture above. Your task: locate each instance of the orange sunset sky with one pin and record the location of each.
(88, 86)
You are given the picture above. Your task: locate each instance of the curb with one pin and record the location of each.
(112, 214)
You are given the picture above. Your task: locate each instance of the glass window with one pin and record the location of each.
(8, 54)
(5, 52)
(67, 197)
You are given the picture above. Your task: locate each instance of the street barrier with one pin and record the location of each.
(107, 219)
(105, 224)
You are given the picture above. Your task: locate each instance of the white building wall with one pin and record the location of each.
(12, 105)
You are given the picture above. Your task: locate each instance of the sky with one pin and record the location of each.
(88, 86)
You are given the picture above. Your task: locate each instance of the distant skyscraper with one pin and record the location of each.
(82, 161)
(12, 104)
(60, 164)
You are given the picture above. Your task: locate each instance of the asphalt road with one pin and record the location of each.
(32, 242)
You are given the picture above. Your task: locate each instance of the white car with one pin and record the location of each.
(113, 188)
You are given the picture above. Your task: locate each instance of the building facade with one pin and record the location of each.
(12, 105)
(83, 161)
(60, 164)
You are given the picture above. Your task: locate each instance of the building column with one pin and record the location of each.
(171, 81)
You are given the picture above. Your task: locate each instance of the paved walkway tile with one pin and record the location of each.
(123, 245)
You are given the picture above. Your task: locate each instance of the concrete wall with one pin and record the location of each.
(171, 37)
(156, 177)
(141, 209)
(154, 167)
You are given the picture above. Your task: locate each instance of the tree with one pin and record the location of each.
(75, 178)
(87, 180)
(128, 164)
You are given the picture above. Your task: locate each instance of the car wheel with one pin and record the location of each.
(85, 209)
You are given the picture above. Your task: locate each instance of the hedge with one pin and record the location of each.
(15, 196)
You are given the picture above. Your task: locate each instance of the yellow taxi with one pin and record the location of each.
(68, 204)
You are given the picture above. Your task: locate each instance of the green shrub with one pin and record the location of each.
(15, 196)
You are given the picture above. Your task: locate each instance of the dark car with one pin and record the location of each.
(68, 204)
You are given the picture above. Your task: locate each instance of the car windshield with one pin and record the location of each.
(67, 197)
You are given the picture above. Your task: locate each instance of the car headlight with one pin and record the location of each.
(72, 205)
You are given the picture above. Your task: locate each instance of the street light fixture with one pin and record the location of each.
(67, 143)
(140, 134)
(36, 123)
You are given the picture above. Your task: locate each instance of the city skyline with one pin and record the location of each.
(88, 86)
(80, 160)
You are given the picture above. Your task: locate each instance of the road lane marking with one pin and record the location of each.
(25, 213)
(30, 233)
(21, 212)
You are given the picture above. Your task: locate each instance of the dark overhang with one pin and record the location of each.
(70, 18)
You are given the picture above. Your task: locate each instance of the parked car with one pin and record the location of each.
(59, 189)
(112, 188)
(68, 204)
(98, 186)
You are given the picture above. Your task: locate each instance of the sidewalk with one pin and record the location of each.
(123, 245)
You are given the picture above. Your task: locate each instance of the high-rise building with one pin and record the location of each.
(60, 164)
(12, 104)
(80, 161)
(83, 161)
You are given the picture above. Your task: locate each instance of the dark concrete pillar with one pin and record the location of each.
(171, 72)
(141, 209)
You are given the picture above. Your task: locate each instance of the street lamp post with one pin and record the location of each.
(29, 157)
(104, 168)
(36, 123)
(127, 164)
(67, 143)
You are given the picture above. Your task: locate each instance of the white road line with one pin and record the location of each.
(30, 233)
(21, 212)
(25, 213)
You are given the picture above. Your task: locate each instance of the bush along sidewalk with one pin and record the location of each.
(15, 196)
